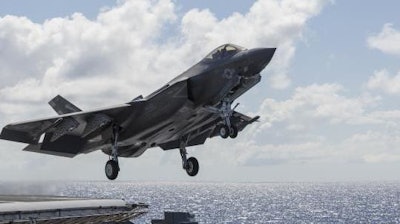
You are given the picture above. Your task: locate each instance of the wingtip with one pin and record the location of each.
(255, 119)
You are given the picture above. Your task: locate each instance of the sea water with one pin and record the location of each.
(333, 202)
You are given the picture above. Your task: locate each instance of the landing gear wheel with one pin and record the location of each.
(224, 131)
(192, 167)
(233, 132)
(112, 169)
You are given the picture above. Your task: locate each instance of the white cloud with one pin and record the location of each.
(383, 81)
(280, 81)
(381, 158)
(319, 123)
(374, 146)
(129, 50)
(315, 102)
(365, 147)
(272, 154)
(119, 55)
(136, 46)
(387, 41)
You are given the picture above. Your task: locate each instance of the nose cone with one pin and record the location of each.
(257, 59)
(262, 56)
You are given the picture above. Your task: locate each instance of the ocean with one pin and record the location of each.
(333, 202)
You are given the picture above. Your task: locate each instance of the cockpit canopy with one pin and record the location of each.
(224, 51)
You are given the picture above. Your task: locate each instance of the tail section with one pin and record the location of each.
(63, 106)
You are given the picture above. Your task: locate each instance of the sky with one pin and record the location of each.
(328, 100)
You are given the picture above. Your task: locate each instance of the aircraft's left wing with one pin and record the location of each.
(30, 131)
(74, 128)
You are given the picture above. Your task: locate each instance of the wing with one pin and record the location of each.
(208, 128)
(239, 120)
(69, 134)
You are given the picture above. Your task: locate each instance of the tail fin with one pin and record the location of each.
(63, 106)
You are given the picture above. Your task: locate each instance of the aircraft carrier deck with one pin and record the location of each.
(53, 209)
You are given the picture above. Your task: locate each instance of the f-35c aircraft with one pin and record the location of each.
(194, 106)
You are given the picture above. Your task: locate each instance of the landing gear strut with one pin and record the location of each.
(112, 165)
(191, 165)
(225, 111)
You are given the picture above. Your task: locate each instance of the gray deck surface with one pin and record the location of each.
(34, 198)
(56, 209)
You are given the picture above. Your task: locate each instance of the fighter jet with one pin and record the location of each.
(188, 110)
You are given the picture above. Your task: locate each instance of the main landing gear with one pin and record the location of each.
(112, 165)
(227, 129)
(191, 165)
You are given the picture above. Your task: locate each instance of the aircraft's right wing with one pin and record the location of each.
(209, 129)
(239, 120)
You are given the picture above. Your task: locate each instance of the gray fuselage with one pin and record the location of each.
(178, 107)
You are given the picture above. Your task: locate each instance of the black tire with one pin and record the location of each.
(233, 132)
(192, 167)
(111, 169)
(224, 131)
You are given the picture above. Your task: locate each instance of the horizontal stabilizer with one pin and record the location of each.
(63, 106)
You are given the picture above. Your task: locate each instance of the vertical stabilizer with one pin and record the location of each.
(63, 106)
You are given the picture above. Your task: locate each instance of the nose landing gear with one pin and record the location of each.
(225, 112)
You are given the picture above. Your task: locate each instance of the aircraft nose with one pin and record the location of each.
(262, 56)
(258, 59)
